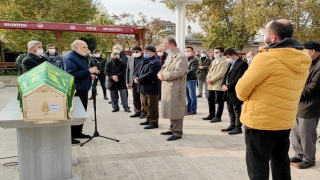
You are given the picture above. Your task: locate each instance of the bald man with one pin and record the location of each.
(271, 90)
(75, 64)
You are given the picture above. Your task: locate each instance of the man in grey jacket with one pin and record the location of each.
(304, 133)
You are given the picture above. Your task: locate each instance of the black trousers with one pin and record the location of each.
(213, 97)
(263, 146)
(234, 114)
(138, 108)
(77, 129)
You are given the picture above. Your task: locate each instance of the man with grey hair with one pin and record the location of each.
(117, 49)
(76, 65)
(33, 58)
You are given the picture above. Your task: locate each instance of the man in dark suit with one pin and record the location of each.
(76, 65)
(33, 58)
(236, 69)
(136, 57)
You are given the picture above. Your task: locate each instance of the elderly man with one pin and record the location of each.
(76, 65)
(149, 86)
(116, 72)
(117, 49)
(173, 75)
(304, 132)
(271, 89)
(33, 58)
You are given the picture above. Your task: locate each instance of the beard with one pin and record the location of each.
(82, 53)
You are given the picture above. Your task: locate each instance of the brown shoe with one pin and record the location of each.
(105, 97)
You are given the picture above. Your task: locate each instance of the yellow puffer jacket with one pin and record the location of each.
(271, 88)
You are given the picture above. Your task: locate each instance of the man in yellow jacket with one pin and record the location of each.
(271, 90)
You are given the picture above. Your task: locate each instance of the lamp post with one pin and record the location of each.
(180, 18)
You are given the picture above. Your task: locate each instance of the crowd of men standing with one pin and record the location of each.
(279, 88)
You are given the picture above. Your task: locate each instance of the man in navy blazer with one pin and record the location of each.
(75, 64)
(145, 77)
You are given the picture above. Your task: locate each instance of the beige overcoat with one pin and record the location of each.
(216, 74)
(173, 89)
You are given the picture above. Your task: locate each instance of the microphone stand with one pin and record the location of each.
(96, 133)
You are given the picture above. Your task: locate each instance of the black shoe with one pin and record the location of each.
(167, 133)
(115, 110)
(81, 136)
(109, 102)
(295, 159)
(142, 116)
(173, 137)
(74, 141)
(207, 118)
(135, 115)
(145, 123)
(191, 113)
(152, 126)
(199, 96)
(214, 120)
(235, 131)
(127, 110)
(90, 98)
(229, 128)
(305, 165)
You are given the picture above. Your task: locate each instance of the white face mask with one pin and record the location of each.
(136, 54)
(160, 53)
(97, 55)
(116, 51)
(188, 54)
(39, 52)
(169, 51)
(216, 56)
(229, 60)
(52, 51)
(203, 55)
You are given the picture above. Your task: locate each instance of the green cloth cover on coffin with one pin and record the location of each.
(50, 75)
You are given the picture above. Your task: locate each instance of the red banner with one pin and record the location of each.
(67, 27)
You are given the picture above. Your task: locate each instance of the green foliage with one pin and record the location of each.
(91, 42)
(75, 11)
(232, 23)
(8, 73)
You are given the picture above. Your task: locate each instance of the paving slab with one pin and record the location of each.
(204, 152)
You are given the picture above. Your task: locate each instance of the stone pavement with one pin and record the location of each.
(203, 153)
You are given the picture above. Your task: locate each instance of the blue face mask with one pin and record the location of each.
(146, 56)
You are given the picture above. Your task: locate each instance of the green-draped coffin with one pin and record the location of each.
(41, 91)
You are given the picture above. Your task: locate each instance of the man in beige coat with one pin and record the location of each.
(173, 75)
(215, 76)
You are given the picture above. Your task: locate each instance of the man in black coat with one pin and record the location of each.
(96, 60)
(236, 69)
(33, 58)
(145, 77)
(304, 132)
(116, 71)
(191, 81)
